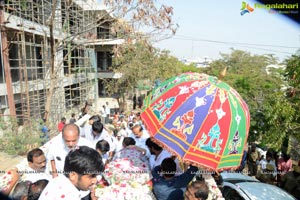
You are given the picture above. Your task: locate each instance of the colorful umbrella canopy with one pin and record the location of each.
(200, 119)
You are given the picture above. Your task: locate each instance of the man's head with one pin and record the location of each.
(128, 141)
(36, 159)
(130, 125)
(63, 119)
(269, 156)
(73, 115)
(82, 165)
(36, 189)
(286, 157)
(97, 128)
(94, 118)
(102, 146)
(197, 190)
(253, 147)
(168, 167)
(21, 190)
(153, 147)
(70, 135)
(137, 130)
(107, 103)
(134, 120)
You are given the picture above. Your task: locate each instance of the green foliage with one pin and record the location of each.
(19, 140)
(278, 116)
(141, 62)
(189, 68)
(292, 76)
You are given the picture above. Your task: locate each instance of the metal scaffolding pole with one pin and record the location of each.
(4, 46)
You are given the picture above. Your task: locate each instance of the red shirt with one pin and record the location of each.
(284, 166)
(60, 126)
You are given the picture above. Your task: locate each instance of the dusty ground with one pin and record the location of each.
(8, 161)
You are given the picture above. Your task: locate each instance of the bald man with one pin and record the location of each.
(68, 140)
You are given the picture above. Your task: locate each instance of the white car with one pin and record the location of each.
(237, 186)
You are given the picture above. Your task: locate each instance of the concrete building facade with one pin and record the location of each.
(83, 45)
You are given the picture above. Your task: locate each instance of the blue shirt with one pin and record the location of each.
(163, 188)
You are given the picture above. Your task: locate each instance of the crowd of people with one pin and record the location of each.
(75, 164)
(272, 168)
(72, 163)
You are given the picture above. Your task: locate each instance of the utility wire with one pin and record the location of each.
(239, 43)
(246, 45)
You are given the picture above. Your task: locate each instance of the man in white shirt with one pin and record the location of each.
(123, 123)
(82, 166)
(98, 133)
(158, 154)
(32, 169)
(263, 163)
(103, 113)
(119, 140)
(62, 145)
(131, 116)
(107, 111)
(140, 136)
(88, 126)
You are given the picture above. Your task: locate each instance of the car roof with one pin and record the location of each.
(236, 177)
(261, 191)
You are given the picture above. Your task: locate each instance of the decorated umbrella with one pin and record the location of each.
(200, 119)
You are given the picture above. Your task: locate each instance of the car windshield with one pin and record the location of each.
(262, 191)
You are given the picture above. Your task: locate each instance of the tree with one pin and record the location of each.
(292, 76)
(190, 68)
(142, 62)
(147, 16)
(278, 120)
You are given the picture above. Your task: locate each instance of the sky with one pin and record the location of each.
(221, 21)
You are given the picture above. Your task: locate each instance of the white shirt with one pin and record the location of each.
(123, 124)
(60, 188)
(263, 163)
(156, 161)
(103, 112)
(130, 117)
(104, 157)
(107, 110)
(119, 143)
(58, 151)
(29, 174)
(103, 136)
(141, 142)
(85, 130)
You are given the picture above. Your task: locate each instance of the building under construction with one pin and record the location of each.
(61, 47)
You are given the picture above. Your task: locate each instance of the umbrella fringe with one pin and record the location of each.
(161, 144)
